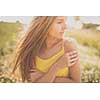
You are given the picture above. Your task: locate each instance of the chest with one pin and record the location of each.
(48, 53)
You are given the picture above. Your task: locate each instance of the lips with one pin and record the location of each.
(62, 32)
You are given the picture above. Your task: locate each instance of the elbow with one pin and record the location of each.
(76, 80)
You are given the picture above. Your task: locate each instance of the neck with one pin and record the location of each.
(52, 41)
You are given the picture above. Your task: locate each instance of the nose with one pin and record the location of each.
(65, 26)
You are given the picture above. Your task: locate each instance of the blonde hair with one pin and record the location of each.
(32, 43)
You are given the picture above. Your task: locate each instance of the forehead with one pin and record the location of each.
(61, 18)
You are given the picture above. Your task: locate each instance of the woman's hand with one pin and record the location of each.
(35, 74)
(68, 59)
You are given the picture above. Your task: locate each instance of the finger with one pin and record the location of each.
(72, 52)
(74, 59)
(73, 56)
(72, 63)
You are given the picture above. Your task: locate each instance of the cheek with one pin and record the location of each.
(56, 29)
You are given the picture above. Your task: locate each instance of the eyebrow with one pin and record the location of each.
(60, 19)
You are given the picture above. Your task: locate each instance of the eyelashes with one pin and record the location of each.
(59, 22)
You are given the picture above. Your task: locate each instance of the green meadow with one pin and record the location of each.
(8, 37)
(88, 44)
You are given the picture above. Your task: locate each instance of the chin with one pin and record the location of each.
(61, 37)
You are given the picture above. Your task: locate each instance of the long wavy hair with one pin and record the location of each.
(34, 40)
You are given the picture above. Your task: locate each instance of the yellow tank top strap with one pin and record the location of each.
(61, 52)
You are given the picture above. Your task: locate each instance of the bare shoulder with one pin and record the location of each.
(70, 44)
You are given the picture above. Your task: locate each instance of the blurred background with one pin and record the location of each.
(85, 29)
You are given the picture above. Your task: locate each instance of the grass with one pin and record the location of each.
(89, 51)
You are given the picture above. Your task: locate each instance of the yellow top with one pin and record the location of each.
(44, 64)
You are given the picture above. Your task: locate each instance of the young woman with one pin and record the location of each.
(45, 55)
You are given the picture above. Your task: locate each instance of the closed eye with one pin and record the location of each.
(59, 22)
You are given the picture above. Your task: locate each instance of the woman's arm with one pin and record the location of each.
(74, 75)
(40, 77)
(50, 76)
(74, 70)
(64, 80)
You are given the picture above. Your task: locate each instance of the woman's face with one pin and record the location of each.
(58, 27)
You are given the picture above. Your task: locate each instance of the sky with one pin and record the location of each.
(72, 23)
(23, 19)
(83, 19)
